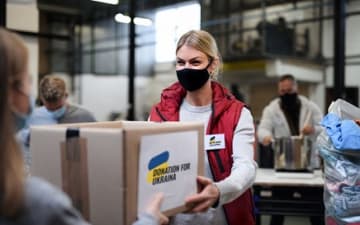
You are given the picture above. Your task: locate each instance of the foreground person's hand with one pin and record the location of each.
(153, 208)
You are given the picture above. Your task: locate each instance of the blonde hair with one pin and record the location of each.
(204, 42)
(13, 63)
(52, 88)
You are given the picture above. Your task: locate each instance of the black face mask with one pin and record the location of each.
(193, 79)
(289, 100)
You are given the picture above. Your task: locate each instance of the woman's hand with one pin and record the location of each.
(153, 208)
(207, 196)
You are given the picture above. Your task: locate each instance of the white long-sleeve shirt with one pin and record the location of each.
(273, 123)
(243, 169)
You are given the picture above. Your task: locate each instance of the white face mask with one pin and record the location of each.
(57, 114)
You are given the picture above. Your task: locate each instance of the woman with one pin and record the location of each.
(31, 200)
(197, 96)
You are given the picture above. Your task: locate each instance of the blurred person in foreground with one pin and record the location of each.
(31, 200)
(225, 196)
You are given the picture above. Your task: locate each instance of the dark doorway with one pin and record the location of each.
(351, 96)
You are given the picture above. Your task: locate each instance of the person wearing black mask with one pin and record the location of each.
(229, 167)
(290, 114)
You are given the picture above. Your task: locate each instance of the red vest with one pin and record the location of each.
(224, 118)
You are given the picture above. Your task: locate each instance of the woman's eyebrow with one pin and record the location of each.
(194, 58)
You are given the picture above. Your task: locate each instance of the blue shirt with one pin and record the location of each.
(344, 134)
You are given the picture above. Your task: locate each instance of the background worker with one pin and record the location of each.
(55, 110)
(53, 95)
(290, 114)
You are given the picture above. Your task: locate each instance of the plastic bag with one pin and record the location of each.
(341, 173)
(344, 110)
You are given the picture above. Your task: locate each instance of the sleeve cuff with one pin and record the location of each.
(217, 203)
(146, 219)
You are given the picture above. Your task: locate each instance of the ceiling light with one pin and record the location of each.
(113, 2)
(142, 21)
(121, 18)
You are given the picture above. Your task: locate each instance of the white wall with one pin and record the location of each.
(24, 16)
(352, 47)
(105, 94)
(351, 76)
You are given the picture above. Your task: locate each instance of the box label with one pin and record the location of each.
(169, 164)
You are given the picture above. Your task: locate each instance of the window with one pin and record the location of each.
(170, 24)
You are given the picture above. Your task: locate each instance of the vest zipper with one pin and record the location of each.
(216, 152)
(219, 162)
(161, 115)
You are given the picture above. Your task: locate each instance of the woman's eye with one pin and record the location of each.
(180, 63)
(195, 62)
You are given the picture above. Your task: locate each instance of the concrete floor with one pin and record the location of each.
(289, 220)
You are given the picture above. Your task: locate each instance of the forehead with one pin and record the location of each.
(286, 82)
(287, 85)
(187, 52)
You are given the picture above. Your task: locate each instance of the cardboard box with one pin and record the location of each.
(97, 164)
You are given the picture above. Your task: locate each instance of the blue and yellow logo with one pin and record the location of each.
(157, 163)
(214, 142)
(159, 169)
(161, 172)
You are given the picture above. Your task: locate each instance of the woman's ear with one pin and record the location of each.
(214, 65)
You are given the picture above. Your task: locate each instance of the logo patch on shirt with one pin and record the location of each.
(214, 141)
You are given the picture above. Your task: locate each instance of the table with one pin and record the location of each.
(274, 195)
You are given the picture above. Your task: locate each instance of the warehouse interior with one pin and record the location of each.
(81, 41)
